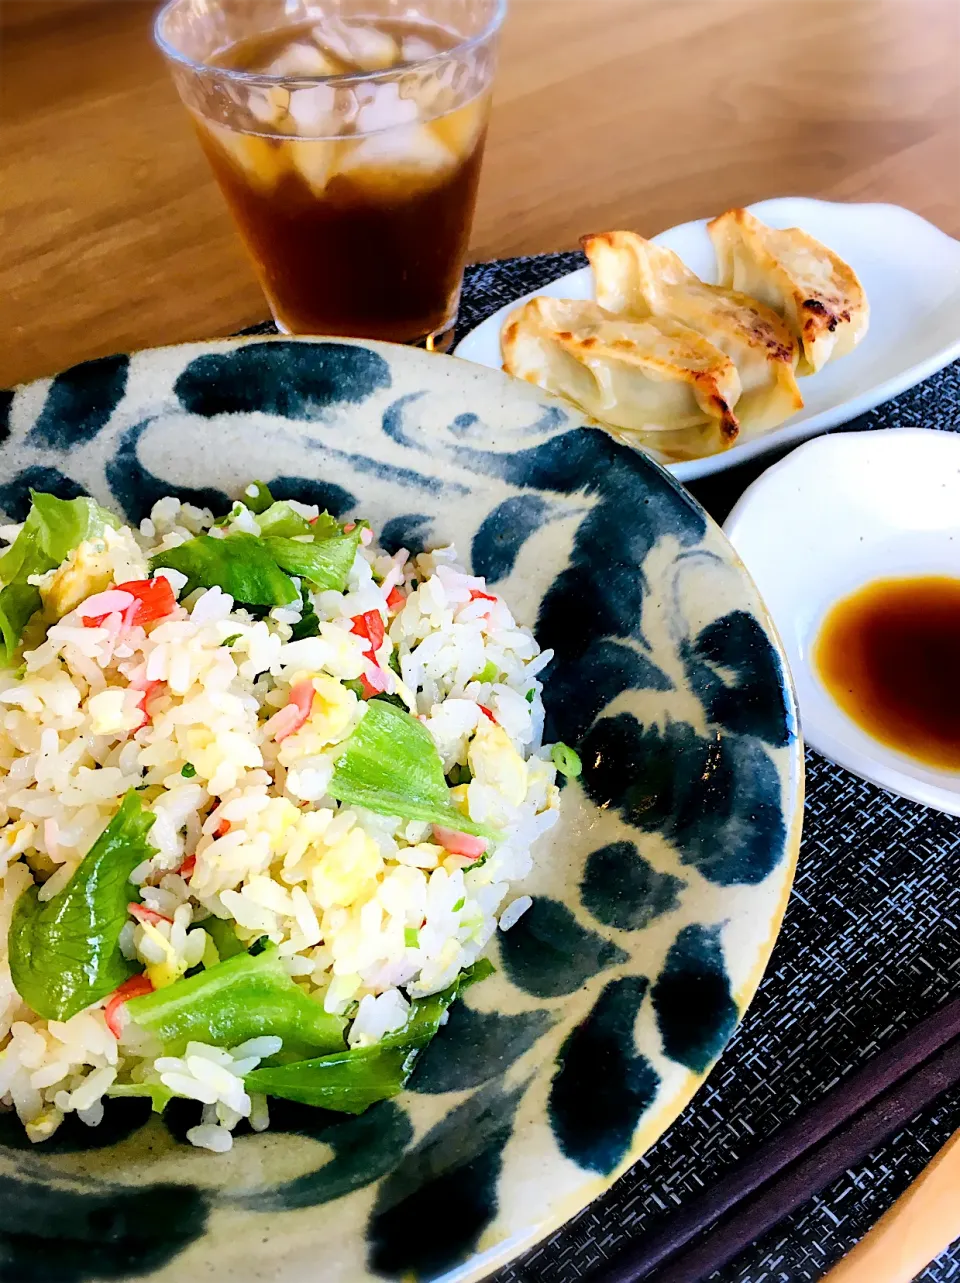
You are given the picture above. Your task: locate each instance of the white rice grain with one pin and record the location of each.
(210, 1136)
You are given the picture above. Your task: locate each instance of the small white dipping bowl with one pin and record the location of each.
(836, 514)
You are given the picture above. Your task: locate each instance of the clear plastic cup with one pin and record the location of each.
(347, 142)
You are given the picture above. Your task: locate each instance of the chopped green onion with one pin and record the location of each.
(488, 673)
(232, 515)
(225, 939)
(531, 695)
(411, 937)
(566, 760)
(257, 497)
(189, 771)
(231, 640)
(459, 905)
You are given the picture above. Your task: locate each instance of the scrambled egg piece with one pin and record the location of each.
(115, 711)
(88, 570)
(347, 872)
(15, 838)
(332, 717)
(171, 968)
(495, 762)
(218, 759)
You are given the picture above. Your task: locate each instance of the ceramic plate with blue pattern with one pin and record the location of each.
(656, 899)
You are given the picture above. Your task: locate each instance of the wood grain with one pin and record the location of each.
(921, 1224)
(637, 113)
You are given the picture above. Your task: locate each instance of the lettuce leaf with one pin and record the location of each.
(223, 935)
(281, 519)
(325, 563)
(234, 1000)
(240, 564)
(353, 1080)
(53, 528)
(347, 1081)
(390, 765)
(160, 1096)
(18, 604)
(255, 570)
(65, 952)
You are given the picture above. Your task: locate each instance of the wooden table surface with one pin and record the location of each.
(608, 113)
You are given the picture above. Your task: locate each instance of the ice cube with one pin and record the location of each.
(434, 87)
(416, 49)
(381, 107)
(314, 111)
(260, 159)
(460, 130)
(269, 106)
(404, 157)
(302, 59)
(316, 162)
(362, 47)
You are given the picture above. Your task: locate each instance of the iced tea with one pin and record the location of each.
(352, 171)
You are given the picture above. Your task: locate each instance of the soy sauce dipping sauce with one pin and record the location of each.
(888, 654)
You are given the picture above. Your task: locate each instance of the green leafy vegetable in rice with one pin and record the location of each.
(65, 954)
(264, 791)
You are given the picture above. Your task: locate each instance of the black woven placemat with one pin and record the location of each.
(870, 944)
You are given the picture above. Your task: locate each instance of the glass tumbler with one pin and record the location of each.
(347, 138)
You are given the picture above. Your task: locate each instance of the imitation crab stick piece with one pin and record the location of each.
(140, 601)
(135, 987)
(146, 688)
(459, 843)
(370, 626)
(154, 598)
(102, 605)
(373, 681)
(293, 715)
(143, 913)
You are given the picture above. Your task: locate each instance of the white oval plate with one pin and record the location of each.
(909, 268)
(834, 515)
